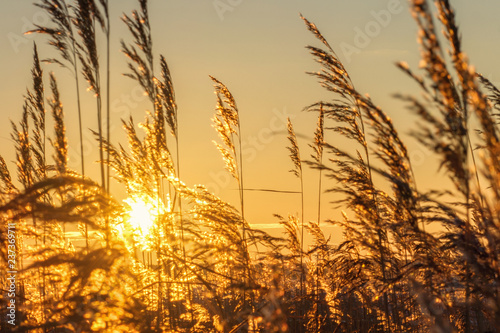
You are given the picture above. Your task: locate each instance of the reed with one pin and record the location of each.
(86, 15)
(297, 171)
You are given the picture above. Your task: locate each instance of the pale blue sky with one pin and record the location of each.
(257, 48)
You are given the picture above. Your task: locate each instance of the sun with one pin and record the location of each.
(141, 214)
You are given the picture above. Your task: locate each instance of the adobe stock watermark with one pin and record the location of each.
(223, 6)
(11, 274)
(250, 147)
(19, 39)
(419, 156)
(364, 36)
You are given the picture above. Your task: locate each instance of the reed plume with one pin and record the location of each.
(140, 66)
(36, 104)
(60, 143)
(227, 124)
(297, 171)
(62, 38)
(86, 15)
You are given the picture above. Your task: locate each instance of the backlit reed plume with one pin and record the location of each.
(60, 143)
(227, 125)
(86, 16)
(62, 38)
(297, 171)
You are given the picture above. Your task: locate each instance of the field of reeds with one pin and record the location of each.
(171, 258)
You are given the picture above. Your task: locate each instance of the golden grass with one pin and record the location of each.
(191, 269)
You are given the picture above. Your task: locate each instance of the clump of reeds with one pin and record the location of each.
(411, 259)
(62, 38)
(227, 124)
(193, 269)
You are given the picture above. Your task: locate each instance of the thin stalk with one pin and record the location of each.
(319, 141)
(44, 226)
(241, 190)
(44, 222)
(301, 236)
(108, 95)
(180, 215)
(297, 171)
(467, 206)
(80, 128)
(465, 143)
(317, 256)
(319, 192)
(160, 264)
(374, 196)
(101, 155)
(242, 205)
(101, 145)
(476, 173)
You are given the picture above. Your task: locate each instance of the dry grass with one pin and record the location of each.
(192, 270)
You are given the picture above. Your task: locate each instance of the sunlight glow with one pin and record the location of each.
(142, 214)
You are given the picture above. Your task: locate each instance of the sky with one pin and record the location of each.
(257, 48)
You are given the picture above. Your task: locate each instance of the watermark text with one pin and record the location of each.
(11, 274)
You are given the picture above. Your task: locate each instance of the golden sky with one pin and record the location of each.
(256, 47)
